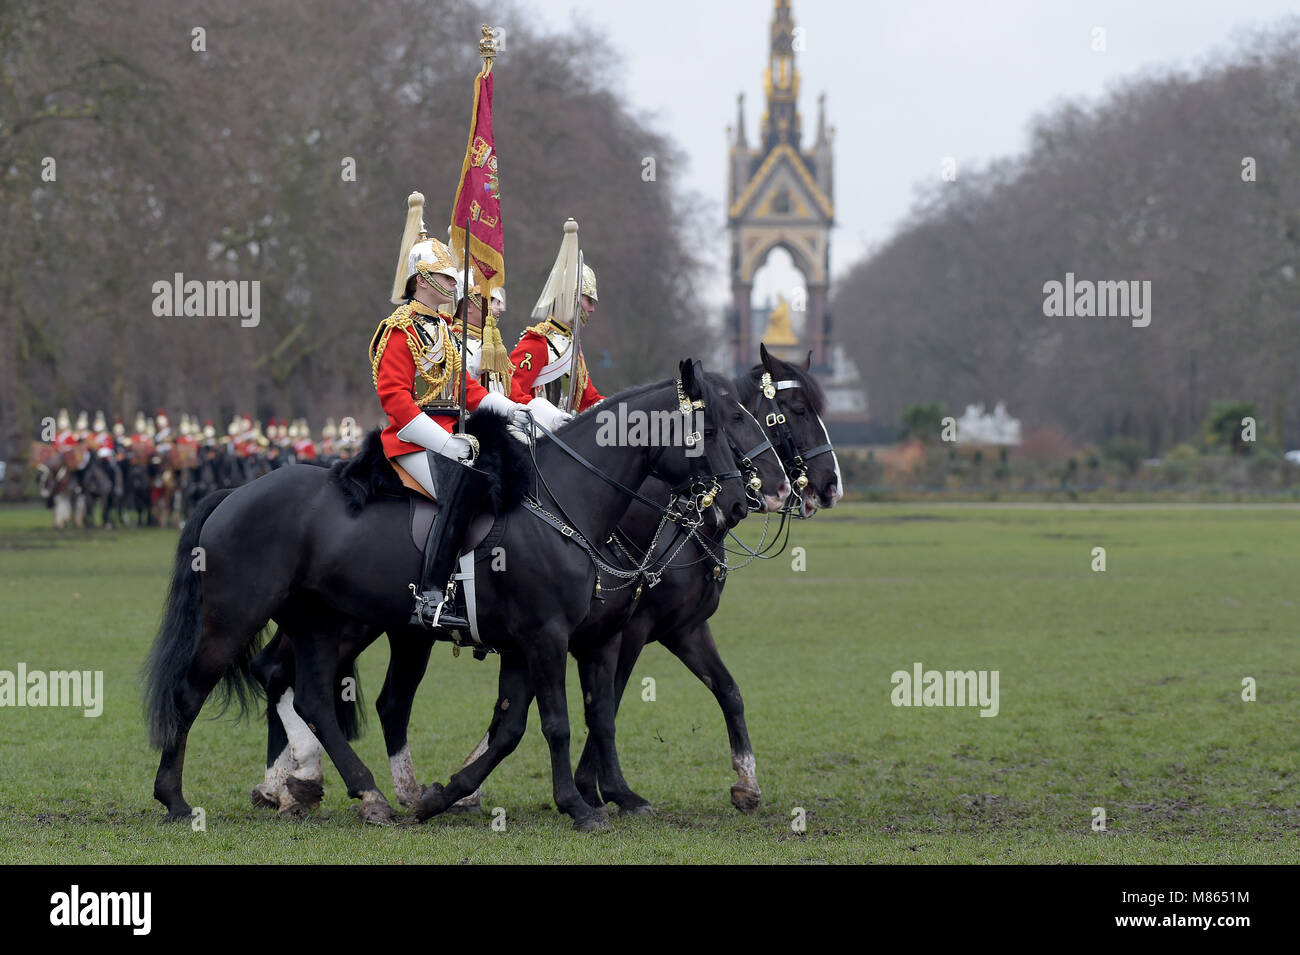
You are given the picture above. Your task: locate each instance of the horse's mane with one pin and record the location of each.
(366, 476)
(748, 383)
(612, 400)
(506, 461)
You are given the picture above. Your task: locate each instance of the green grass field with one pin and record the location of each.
(1120, 690)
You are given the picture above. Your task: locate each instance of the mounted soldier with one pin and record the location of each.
(550, 372)
(418, 374)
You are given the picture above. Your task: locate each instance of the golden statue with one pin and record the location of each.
(779, 331)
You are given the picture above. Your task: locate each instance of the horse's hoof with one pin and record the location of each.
(745, 799)
(263, 799)
(308, 792)
(596, 822)
(636, 806)
(180, 815)
(432, 802)
(376, 811)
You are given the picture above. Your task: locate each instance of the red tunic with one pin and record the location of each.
(530, 356)
(396, 388)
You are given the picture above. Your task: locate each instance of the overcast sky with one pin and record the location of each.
(907, 83)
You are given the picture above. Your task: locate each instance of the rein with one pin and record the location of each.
(701, 488)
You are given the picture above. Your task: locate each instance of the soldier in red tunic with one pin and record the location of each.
(416, 367)
(548, 367)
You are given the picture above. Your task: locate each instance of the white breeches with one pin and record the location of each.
(416, 464)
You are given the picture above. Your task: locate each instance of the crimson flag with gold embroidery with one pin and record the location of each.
(478, 196)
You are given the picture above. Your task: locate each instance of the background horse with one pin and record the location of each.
(101, 484)
(57, 482)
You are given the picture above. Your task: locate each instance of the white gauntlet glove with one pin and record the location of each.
(517, 416)
(457, 448)
(549, 416)
(422, 430)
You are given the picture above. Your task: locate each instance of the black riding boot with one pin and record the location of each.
(460, 493)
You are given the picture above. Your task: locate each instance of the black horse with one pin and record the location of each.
(136, 482)
(292, 548)
(674, 611)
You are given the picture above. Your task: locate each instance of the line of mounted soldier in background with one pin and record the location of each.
(155, 474)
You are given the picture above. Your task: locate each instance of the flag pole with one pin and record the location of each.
(487, 50)
(464, 336)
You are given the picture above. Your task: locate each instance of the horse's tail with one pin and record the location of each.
(177, 642)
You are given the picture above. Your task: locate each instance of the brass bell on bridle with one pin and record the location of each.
(802, 482)
(756, 483)
(706, 499)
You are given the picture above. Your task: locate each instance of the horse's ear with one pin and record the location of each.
(765, 358)
(686, 369)
(807, 362)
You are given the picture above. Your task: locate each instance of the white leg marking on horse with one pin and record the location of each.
(404, 781)
(746, 769)
(302, 741)
(273, 785)
(62, 510)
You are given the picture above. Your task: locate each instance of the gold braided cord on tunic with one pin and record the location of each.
(546, 328)
(438, 376)
(475, 334)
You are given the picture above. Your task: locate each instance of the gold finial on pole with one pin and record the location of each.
(487, 47)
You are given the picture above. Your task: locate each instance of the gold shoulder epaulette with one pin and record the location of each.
(401, 319)
(538, 329)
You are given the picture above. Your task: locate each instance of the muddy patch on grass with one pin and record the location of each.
(35, 540)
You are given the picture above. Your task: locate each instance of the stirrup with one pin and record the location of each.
(424, 606)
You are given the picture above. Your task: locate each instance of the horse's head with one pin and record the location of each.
(703, 470)
(760, 467)
(789, 402)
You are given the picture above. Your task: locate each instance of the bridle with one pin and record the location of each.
(701, 487)
(795, 459)
(796, 463)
